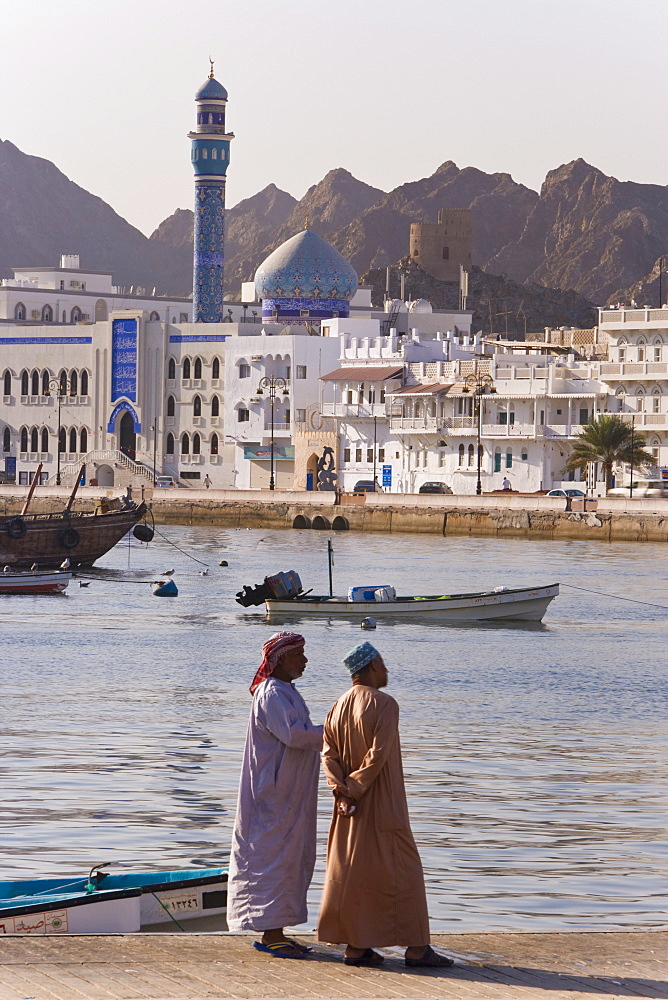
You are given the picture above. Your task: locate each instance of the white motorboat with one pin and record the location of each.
(33, 581)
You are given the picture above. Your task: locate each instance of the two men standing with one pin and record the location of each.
(374, 887)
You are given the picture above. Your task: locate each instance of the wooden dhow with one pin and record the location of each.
(80, 536)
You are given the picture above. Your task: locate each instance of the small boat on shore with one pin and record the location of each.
(33, 581)
(283, 594)
(105, 903)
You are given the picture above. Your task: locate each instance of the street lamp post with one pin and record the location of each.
(272, 385)
(479, 385)
(57, 385)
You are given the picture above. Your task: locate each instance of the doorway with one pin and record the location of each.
(127, 436)
(105, 476)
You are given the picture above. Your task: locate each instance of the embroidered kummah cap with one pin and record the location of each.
(359, 657)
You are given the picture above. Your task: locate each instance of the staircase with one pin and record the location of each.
(135, 473)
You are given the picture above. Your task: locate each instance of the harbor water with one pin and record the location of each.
(534, 754)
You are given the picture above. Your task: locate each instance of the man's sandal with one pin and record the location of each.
(368, 958)
(430, 960)
(281, 949)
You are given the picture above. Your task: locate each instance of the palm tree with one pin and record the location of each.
(610, 441)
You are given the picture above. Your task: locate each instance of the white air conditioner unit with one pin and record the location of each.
(256, 357)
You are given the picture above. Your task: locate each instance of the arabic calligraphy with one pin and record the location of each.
(52, 922)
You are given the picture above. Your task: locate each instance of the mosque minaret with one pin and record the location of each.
(210, 154)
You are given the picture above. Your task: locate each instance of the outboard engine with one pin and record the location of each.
(280, 587)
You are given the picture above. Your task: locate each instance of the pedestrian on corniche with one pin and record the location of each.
(274, 839)
(374, 894)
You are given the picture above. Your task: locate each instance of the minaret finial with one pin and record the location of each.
(307, 222)
(211, 73)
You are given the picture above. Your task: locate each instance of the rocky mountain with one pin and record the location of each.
(500, 306)
(44, 214)
(585, 231)
(248, 230)
(589, 232)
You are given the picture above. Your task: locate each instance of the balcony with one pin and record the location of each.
(634, 369)
(358, 411)
(279, 428)
(424, 425)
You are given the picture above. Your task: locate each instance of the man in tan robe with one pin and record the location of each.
(374, 893)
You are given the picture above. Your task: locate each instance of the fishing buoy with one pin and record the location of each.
(368, 622)
(166, 589)
(223, 562)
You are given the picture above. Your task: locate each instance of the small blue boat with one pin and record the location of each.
(106, 903)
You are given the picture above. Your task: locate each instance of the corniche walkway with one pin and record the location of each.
(522, 966)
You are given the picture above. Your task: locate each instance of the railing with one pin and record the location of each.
(414, 424)
(353, 410)
(634, 316)
(644, 419)
(635, 368)
(117, 457)
(277, 426)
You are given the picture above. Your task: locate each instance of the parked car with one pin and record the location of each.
(642, 488)
(367, 486)
(164, 482)
(435, 488)
(573, 494)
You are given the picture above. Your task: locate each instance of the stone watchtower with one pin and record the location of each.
(440, 249)
(210, 155)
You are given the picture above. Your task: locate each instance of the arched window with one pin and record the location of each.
(656, 400)
(47, 314)
(84, 383)
(171, 406)
(525, 455)
(205, 153)
(215, 368)
(210, 119)
(24, 439)
(34, 384)
(509, 459)
(45, 382)
(197, 368)
(197, 444)
(7, 383)
(75, 315)
(45, 440)
(19, 311)
(461, 454)
(62, 442)
(171, 368)
(101, 311)
(74, 383)
(497, 460)
(25, 383)
(73, 441)
(170, 444)
(196, 154)
(215, 407)
(446, 253)
(214, 153)
(197, 406)
(471, 455)
(83, 441)
(640, 400)
(185, 444)
(63, 383)
(6, 439)
(214, 444)
(155, 316)
(186, 368)
(34, 440)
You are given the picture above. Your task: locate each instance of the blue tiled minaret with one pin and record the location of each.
(210, 156)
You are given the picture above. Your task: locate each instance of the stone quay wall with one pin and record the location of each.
(515, 515)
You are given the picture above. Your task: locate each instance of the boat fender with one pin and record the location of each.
(143, 532)
(17, 528)
(368, 622)
(69, 538)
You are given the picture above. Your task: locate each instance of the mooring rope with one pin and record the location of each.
(179, 548)
(614, 597)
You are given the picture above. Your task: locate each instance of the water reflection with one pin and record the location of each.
(533, 753)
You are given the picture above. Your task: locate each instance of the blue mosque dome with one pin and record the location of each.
(211, 91)
(306, 267)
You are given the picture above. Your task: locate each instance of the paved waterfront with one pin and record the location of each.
(496, 966)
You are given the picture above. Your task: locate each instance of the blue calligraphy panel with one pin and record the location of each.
(124, 359)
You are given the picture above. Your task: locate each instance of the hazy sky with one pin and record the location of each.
(387, 89)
